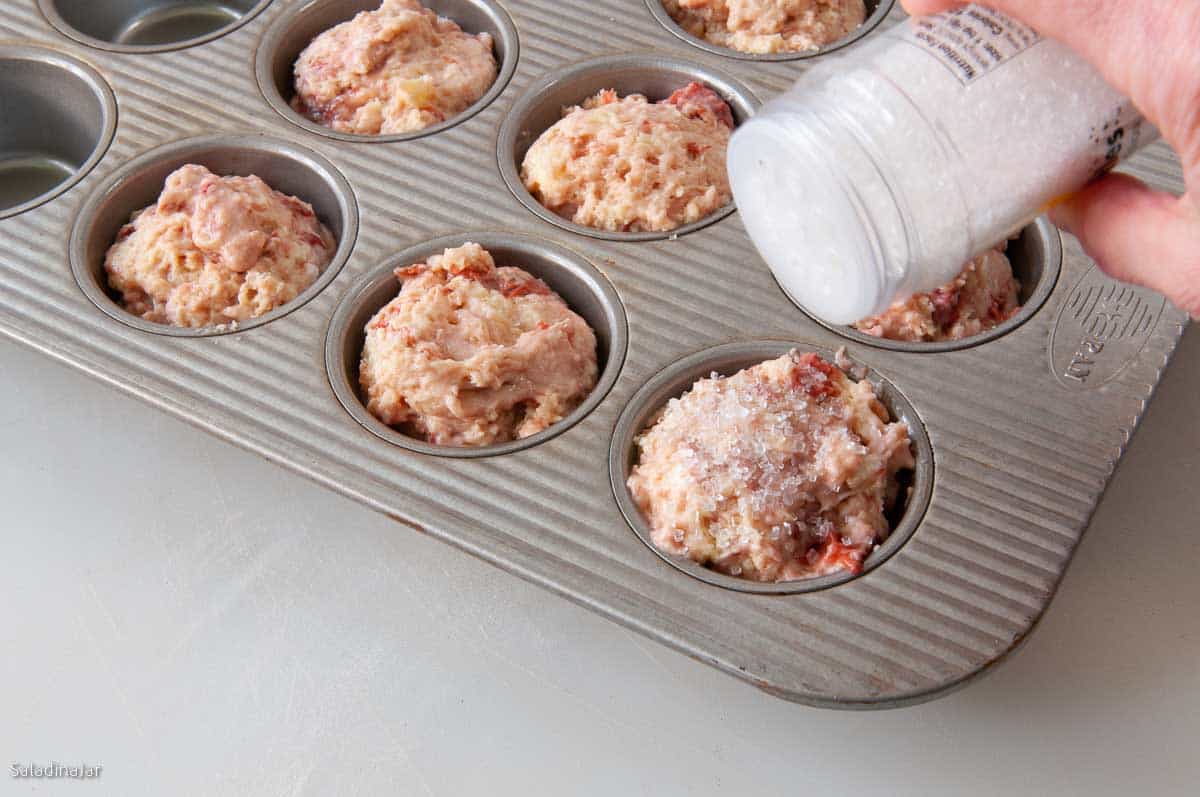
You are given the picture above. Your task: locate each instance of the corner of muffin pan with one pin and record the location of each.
(283, 165)
(60, 118)
(654, 75)
(1036, 255)
(290, 32)
(581, 285)
(148, 26)
(727, 359)
(877, 11)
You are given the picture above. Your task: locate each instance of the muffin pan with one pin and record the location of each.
(654, 76)
(877, 12)
(147, 26)
(281, 164)
(1024, 426)
(292, 31)
(58, 117)
(728, 359)
(1036, 256)
(581, 286)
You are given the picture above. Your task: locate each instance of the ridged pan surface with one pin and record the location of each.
(1025, 429)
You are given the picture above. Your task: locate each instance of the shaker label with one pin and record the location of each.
(1115, 138)
(971, 41)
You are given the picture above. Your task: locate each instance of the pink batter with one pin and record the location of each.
(982, 296)
(216, 249)
(627, 164)
(470, 354)
(780, 472)
(393, 70)
(768, 26)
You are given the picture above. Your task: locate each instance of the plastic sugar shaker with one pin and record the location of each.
(883, 170)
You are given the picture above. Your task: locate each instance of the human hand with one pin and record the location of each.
(1147, 49)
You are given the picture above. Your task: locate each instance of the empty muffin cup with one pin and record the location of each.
(292, 31)
(59, 117)
(1036, 256)
(578, 282)
(654, 76)
(147, 26)
(916, 485)
(284, 166)
(877, 11)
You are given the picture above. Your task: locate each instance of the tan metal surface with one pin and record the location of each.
(1025, 429)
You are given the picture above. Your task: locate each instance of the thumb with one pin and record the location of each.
(1140, 235)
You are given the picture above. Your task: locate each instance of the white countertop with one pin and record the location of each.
(199, 621)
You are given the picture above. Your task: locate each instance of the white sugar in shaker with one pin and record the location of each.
(883, 170)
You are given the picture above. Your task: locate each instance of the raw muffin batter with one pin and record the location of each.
(627, 164)
(393, 70)
(216, 249)
(983, 295)
(768, 26)
(470, 354)
(780, 472)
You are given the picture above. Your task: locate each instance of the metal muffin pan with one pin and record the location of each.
(675, 380)
(57, 120)
(582, 287)
(146, 26)
(292, 31)
(877, 12)
(655, 76)
(1025, 429)
(283, 165)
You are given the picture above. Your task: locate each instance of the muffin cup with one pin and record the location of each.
(678, 378)
(1036, 256)
(60, 119)
(148, 26)
(877, 10)
(292, 31)
(578, 282)
(655, 76)
(284, 166)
